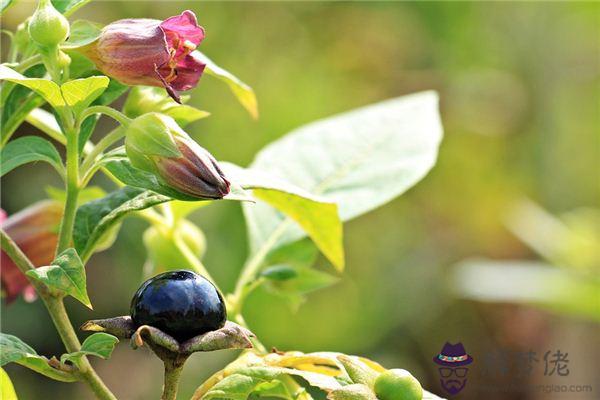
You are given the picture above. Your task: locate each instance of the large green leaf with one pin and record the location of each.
(360, 160)
(95, 218)
(99, 344)
(66, 275)
(129, 175)
(79, 93)
(29, 149)
(243, 92)
(49, 90)
(317, 216)
(13, 349)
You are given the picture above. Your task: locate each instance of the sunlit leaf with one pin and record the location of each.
(99, 344)
(80, 93)
(66, 275)
(49, 90)
(317, 216)
(359, 160)
(7, 390)
(13, 349)
(28, 149)
(242, 91)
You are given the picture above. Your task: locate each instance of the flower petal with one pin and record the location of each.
(185, 26)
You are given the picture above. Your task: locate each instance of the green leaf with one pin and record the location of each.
(243, 92)
(83, 32)
(13, 349)
(79, 93)
(353, 392)
(88, 194)
(99, 344)
(279, 273)
(49, 90)
(318, 217)
(28, 149)
(360, 160)
(128, 174)
(145, 99)
(68, 7)
(7, 390)
(95, 218)
(66, 275)
(300, 281)
(46, 122)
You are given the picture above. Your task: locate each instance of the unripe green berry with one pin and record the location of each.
(397, 384)
(48, 27)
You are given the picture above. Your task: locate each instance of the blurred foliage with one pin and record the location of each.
(519, 89)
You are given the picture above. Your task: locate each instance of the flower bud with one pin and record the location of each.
(22, 40)
(151, 52)
(35, 231)
(48, 27)
(155, 143)
(163, 251)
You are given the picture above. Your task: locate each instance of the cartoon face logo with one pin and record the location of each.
(452, 361)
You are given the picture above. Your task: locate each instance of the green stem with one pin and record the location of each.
(56, 309)
(102, 145)
(252, 267)
(172, 378)
(111, 112)
(72, 184)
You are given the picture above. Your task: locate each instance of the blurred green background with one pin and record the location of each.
(519, 86)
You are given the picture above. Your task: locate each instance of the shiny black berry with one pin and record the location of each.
(180, 303)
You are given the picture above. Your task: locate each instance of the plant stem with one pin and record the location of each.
(72, 184)
(56, 309)
(102, 145)
(172, 377)
(111, 112)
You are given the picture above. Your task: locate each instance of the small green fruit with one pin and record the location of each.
(48, 27)
(397, 384)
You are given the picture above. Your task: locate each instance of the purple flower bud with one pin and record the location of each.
(155, 143)
(151, 52)
(195, 173)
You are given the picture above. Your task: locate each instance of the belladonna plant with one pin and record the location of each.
(296, 194)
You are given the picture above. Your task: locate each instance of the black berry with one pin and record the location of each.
(180, 303)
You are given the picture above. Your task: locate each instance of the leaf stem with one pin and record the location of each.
(172, 378)
(56, 309)
(111, 112)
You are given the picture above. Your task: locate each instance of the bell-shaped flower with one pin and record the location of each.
(151, 52)
(155, 143)
(35, 231)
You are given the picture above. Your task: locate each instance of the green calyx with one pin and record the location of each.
(151, 135)
(48, 27)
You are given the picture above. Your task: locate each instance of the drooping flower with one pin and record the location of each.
(155, 143)
(151, 52)
(35, 231)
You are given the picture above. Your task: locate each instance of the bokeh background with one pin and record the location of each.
(519, 86)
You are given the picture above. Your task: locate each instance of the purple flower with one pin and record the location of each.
(151, 52)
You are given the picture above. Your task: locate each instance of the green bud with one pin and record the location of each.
(162, 250)
(358, 371)
(48, 27)
(397, 384)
